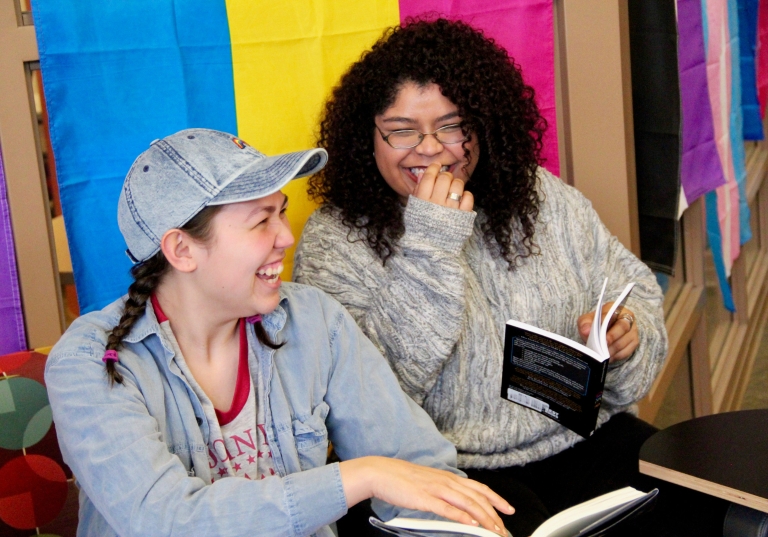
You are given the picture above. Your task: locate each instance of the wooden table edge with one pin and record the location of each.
(702, 485)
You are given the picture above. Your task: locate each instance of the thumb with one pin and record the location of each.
(584, 324)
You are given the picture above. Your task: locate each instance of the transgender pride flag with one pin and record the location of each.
(118, 75)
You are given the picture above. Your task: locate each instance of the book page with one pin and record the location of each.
(431, 526)
(572, 520)
(593, 342)
(616, 305)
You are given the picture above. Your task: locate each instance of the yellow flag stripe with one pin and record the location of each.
(286, 58)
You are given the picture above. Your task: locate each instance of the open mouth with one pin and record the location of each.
(271, 273)
(417, 171)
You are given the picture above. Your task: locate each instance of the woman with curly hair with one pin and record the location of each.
(432, 271)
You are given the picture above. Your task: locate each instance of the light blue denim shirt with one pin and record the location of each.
(139, 449)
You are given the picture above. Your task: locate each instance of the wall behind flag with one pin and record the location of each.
(119, 75)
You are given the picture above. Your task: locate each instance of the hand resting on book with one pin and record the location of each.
(622, 337)
(425, 489)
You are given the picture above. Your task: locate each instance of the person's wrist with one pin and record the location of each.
(439, 226)
(356, 479)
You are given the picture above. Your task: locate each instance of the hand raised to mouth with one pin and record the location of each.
(442, 188)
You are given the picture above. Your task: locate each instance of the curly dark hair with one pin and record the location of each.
(480, 78)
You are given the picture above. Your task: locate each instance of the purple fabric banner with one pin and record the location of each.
(12, 337)
(700, 167)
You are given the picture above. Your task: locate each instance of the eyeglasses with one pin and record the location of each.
(409, 138)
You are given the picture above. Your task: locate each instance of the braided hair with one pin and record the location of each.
(146, 277)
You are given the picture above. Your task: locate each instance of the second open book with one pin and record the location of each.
(557, 376)
(596, 517)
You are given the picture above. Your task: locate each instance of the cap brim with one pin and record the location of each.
(270, 175)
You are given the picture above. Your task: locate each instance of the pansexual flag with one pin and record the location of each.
(119, 74)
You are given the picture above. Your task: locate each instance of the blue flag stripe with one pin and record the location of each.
(116, 76)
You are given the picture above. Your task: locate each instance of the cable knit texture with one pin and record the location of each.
(437, 311)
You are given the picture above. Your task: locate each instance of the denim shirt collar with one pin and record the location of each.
(148, 325)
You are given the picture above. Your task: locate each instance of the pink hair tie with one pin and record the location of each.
(253, 319)
(110, 356)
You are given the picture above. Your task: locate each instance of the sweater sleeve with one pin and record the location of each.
(414, 308)
(628, 380)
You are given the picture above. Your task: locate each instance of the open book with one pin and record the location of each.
(557, 376)
(592, 518)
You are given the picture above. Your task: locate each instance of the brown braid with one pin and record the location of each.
(263, 337)
(147, 277)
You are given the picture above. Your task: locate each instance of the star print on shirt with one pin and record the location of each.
(237, 467)
(222, 472)
(251, 459)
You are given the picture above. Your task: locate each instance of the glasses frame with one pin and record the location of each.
(422, 135)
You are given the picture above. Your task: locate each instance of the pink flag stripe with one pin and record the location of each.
(525, 29)
(762, 55)
(719, 80)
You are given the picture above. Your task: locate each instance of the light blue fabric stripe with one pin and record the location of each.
(737, 122)
(716, 245)
(116, 76)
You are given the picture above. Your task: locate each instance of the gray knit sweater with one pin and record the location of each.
(437, 311)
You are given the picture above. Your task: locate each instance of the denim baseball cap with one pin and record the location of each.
(181, 174)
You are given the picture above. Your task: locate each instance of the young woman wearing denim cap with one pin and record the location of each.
(438, 225)
(203, 402)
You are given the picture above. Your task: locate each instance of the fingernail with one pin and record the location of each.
(497, 528)
(475, 522)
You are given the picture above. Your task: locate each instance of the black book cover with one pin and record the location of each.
(554, 376)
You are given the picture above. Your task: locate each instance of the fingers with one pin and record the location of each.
(625, 344)
(423, 488)
(442, 188)
(446, 510)
(623, 337)
(455, 193)
(484, 498)
(467, 201)
(427, 183)
(468, 501)
(584, 322)
(497, 501)
(445, 184)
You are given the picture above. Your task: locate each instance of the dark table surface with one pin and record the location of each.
(725, 455)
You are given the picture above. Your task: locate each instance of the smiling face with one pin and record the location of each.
(239, 269)
(425, 109)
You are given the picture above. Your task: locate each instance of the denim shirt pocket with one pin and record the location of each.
(311, 437)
